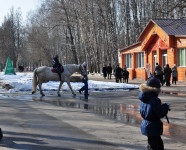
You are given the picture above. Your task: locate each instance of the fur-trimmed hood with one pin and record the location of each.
(147, 92)
(145, 88)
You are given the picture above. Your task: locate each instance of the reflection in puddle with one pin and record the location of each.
(120, 112)
(174, 93)
(123, 113)
(174, 131)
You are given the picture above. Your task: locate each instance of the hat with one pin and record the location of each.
(154, 82)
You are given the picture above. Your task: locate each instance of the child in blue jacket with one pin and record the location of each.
(152, 110)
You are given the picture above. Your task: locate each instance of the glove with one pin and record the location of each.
(168, 104)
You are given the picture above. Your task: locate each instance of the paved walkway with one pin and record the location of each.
(111, 121)
(175, 94)
(180, 86)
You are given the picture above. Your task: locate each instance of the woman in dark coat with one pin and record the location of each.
(167, 74)
(118, 73)
(125, 74)
(109, 71)
(104, 70)
(152, 110)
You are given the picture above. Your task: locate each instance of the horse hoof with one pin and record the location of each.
(59, 95)
(43, 94)
(74, 95)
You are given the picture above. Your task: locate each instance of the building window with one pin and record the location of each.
(139, 60)
(181, 57)
(128, 60)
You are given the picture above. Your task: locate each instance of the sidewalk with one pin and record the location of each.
(36, 124)
(175, 94)
(180, 86)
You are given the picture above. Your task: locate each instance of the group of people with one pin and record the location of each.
(119, 73)
(164, 75)
(107, 71)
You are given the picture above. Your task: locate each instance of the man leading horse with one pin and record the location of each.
(45, 74)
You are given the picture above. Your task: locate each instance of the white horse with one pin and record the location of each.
(44, 74)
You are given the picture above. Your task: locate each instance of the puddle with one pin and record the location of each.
(120, 112)
(128, 114)
(173, 93)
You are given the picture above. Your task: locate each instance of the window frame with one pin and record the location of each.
(128, 60)
(181, 57)
(140, 60)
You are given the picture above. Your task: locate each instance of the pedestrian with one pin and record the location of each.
(125, 67)
(104, 70)
(148, 71)
(167, 74)
(109, 71)
(125, 74)
(85, 86)
(118, 73)
(1, 134)
(57, 66)
(158, 73)
(174, 74)
(152, 110)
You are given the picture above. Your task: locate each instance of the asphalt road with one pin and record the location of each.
(107, 120)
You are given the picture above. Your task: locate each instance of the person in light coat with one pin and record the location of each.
(174, 74)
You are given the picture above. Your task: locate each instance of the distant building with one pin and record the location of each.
(162, 41)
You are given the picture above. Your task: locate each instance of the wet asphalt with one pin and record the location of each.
(104, 120)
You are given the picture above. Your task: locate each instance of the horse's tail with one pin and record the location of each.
(34, 81)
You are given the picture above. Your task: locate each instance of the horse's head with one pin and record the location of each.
(83, 69)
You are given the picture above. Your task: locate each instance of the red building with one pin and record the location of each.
(162, 41)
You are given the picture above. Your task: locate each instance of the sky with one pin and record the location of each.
(22, 82)
(25, 6)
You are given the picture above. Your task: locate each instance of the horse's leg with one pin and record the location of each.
(58, 92)
(69, 85)
(41, 92)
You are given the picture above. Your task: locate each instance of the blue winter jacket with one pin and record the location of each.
(152, 110)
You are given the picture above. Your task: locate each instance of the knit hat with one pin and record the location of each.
(154, 82)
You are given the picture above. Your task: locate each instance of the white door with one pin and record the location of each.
(164, 58)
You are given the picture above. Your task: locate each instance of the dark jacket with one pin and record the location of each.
(57, 65)
(109, 69)
(104, 70)
(167, 73)
(125, 73)
(151, 110)
(158, 70)
(118, 72)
